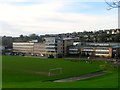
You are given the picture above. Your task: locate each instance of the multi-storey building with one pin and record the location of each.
(116, 51)
(103, 51)
(87, 50)
(66, 43)
(39, 49)
(23, 47)
(74, 50)
(30, 48)
(57, 46)
(53, 46)
(97, 49)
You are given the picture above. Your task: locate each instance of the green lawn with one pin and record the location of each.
(27, 72)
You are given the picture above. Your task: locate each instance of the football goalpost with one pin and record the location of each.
(55, 71)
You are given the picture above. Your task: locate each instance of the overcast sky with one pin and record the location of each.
(54, 16)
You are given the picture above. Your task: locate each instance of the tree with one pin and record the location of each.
(117, 38)
(7, 41)
(33, 37)
(113, 4)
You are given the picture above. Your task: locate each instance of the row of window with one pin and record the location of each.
(39, 50)
(101, 52)
(102, 48)
(73, 49)
(22, 49)
(51, 51)
(73, 52)
(51, 48)
(23, 45)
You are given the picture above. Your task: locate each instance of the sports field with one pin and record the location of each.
(28, 72)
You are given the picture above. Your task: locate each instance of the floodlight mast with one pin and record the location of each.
(113, 4)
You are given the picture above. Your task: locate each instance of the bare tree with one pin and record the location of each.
(113, 4)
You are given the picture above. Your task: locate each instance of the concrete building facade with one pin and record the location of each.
(23, 47)
(39, 49)
(110, 50)
(66, 43)
(57, 46)
(53, 46)
(30, 48)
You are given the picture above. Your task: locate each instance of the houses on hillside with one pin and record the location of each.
(89, 43)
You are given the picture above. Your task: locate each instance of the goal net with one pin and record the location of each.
(55, 71)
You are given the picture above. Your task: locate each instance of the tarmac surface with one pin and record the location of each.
(82, 77)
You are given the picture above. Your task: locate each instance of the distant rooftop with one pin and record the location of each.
(67, 38)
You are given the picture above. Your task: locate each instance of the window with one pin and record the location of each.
(102, 52)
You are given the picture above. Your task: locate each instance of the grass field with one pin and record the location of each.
(27, 72)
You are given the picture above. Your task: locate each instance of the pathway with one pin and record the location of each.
(82, 77)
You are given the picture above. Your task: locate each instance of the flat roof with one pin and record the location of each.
(116, 47)
(67, 38)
